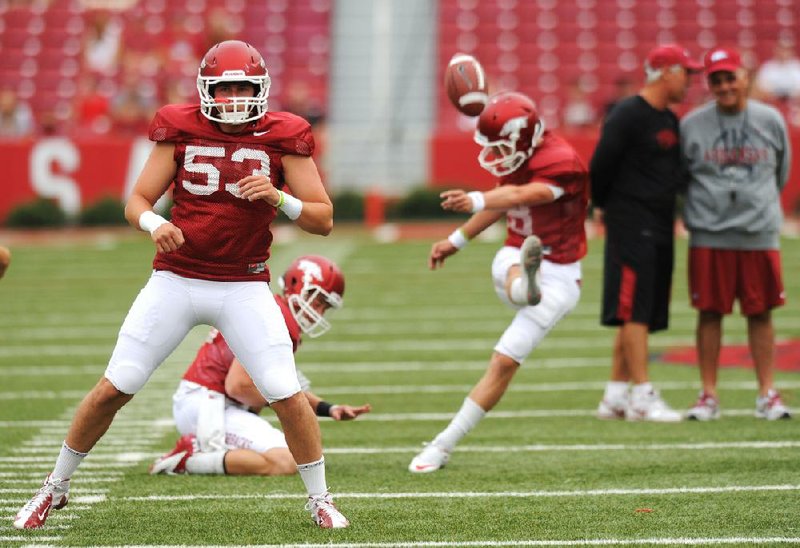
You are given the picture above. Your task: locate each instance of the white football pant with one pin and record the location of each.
(243, 429)
(169, 306)
(560, 285)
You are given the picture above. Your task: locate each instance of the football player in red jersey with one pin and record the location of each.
(216, 405)
(228, 161)
(543, 193)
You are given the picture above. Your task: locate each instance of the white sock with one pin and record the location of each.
(465, 420)
(615, 390)
(641, 390)
(313, 475)
(206, 463)
(518, 292)
(68, 461)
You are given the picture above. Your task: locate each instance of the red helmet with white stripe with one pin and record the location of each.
(311, 285)
(233, 61)
(509, 128)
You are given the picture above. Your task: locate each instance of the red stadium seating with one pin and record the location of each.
(602, 39)
(41, 45)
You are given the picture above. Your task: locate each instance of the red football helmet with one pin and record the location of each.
(309, 280)
(233, 61)
(509, 128)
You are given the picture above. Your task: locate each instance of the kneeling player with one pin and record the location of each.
(216, 405)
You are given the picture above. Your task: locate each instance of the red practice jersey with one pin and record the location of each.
(214, 359)
(559, 224)
(227, 237)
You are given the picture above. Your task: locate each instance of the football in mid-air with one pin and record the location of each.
(465, 83)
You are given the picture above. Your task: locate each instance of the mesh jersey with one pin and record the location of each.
(559, 224)
(214, 359)
(227, 238)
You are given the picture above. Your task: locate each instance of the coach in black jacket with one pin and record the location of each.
(636, 173)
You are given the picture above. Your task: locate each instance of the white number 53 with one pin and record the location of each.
(192, 164)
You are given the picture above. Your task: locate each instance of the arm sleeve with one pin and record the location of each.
(608, 153)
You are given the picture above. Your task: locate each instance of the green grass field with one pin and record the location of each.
(539, 470)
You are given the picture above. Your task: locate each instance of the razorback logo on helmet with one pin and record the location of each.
(514, 127)
(312, 284)
(311, 271)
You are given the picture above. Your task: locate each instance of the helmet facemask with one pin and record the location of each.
(308, 308)
(504, 155)
(233, 110)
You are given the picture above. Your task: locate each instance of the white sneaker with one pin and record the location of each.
(771, 407)
(650, 407)
(531, 260)
(52, 495)
(611, 409)
(429, 459)
(324, 512)
(705, 409)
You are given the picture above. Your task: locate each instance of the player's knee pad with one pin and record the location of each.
(127, 376)
(532, 323)
(274, 374)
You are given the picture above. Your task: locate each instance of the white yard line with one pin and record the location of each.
(481, 494)
(421, 389)
(537, 448)
(660, 541)
(125, 460)
(19, 538)
(600, 340)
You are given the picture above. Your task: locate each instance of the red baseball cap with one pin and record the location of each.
(668, 55)
(718, 59)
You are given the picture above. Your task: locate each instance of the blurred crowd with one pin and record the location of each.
(118, 89)
(776, 81)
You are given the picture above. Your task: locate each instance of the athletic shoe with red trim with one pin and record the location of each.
(771, 407)
(430, 459)
(52, 495)
(705, 409)
(531, 259)
(174, 462)
(324, 512)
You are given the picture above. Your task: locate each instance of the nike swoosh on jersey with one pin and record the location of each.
(260, 133)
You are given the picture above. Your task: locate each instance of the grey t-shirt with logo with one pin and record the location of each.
(737, 166)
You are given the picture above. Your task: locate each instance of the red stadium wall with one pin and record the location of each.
(74, 172)
(78, 172)
(454, 163)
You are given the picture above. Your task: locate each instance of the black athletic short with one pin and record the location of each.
(637, 281)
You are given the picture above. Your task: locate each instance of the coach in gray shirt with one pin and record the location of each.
(737, 154)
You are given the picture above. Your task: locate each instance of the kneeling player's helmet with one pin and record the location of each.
(508, 129)
(233, 61)
(312, 279)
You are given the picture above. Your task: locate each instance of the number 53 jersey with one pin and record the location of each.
(227, 238)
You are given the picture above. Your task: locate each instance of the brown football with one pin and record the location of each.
(465, 83)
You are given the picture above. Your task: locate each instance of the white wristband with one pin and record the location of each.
(149, 221)
(478, 201)
(290, 205)
(458, 238)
